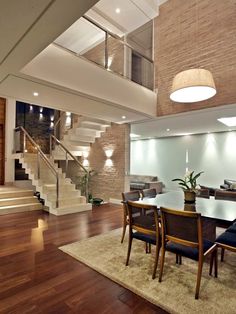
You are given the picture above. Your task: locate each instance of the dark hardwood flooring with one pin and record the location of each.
(36, 277)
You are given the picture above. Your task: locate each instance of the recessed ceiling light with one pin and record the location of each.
(133, 135)
(117, 10)
(230, 121)
(167, 130)
(35, 94)
(123, 117)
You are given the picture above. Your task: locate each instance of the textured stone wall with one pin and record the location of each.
(190, 33)
(110, 179)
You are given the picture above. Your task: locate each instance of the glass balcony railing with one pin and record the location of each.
(109, 51)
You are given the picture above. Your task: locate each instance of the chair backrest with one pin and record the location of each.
(182, 227)
(133, 207)
(130, 196)
(149, 193)
(205, 193)
(225, 195)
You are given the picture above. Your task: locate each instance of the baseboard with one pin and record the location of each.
(115, 201)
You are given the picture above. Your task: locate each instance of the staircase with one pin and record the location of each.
(69, 201)
(14, 200)
(79, 138)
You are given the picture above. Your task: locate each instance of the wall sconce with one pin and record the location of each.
(85, 154)
(85, 163)
(109, 162)
(109, 153)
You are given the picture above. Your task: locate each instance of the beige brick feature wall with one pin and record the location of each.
(110, 181)
(189, 35)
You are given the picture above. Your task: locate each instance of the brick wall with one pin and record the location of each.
(110, 180)
(190, 33)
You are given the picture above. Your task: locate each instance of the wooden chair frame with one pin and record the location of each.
(199, 245)
(155, 233)
(125, 211)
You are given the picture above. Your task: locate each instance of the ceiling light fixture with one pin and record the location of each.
(192, 85)
(229, 121)
(167, 130)
(123, 117)
(118, 10)
(35, 94)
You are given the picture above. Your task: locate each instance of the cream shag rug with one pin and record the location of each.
(105, 254)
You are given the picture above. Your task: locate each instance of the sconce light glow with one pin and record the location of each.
(85, 163)
(85, 154)
(68, 114)
(31, 108)
(109, 163)
(41, 110)
(109, 153)
(52, 118)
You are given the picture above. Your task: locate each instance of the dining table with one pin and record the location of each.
(214, 212)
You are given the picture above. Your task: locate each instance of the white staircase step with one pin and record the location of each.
(69, 201)
(20, 208)
(18, 200)
(96, 121)
(16, 193)
(71, 209)
(93, 126)
(78, 139)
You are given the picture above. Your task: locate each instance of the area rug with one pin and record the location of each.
(105, 254)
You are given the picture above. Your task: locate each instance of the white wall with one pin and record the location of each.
(215, 154)
(9, 140)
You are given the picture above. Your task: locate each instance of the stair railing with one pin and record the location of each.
(57, 124)
(40, 155)
(67, 155)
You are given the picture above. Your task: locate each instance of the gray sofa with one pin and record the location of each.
(141, 182)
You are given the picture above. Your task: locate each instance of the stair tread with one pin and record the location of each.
(19, 205)
(17, 198)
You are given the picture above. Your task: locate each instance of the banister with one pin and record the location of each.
(69, 153)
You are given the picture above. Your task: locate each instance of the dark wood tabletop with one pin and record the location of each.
(212, 208)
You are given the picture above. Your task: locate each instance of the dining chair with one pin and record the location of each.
(204, 193)
(144, 228)
(128, 196)
(228, 238)
(151, 193)
(182, 234)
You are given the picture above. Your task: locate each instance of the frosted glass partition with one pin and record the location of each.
(168, 158)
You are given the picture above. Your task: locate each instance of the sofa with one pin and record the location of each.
(229, 185)
(141, 182)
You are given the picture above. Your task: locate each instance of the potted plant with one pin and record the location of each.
(189, 185)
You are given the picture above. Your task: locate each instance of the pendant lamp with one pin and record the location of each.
(192, 85)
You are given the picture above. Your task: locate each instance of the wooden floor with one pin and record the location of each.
(36, 277)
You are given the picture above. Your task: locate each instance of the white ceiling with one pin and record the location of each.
(193, 122)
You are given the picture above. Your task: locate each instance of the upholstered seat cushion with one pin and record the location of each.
(232, 228)
(187, 251)
(228, 238)
(145, 237)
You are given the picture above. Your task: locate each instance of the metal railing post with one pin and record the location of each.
(66, 163)
(24, 143)
(50, 146)
(106, 50)
(38, 165)
(57, 192)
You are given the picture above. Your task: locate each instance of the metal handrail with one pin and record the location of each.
(59, 121)
(117, 38)
(44, 158)
(52, 137)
